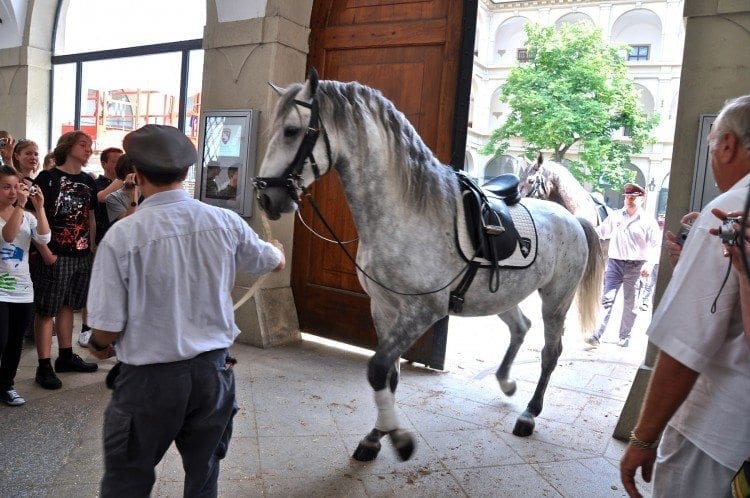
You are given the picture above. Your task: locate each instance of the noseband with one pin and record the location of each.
(291, 178)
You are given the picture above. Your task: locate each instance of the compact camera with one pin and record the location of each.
(683, 233)
(32, 190)
(3, 142)
(728, 234)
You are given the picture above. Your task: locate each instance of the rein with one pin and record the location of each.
(338, 241)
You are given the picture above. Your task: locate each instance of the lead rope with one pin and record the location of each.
(256, 285)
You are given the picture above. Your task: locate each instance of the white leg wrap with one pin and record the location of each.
(386, 402)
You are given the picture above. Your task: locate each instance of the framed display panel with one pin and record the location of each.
(228, 139)
(704, 185)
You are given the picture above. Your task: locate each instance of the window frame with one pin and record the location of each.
(638, 56)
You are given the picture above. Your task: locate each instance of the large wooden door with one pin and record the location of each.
(409, 50)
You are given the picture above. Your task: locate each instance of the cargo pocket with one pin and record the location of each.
(117, 435)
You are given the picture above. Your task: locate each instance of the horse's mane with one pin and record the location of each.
(565, 179)
(349, 106)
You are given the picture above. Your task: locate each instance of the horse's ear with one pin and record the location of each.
(539, 159)
(277, 88)
(311, 85)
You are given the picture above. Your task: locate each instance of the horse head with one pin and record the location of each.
(289, 165)
(532, 182)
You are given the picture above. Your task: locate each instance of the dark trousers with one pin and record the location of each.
(626, 274)
(189, 402)
(14, 320)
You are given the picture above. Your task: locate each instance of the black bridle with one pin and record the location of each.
(291, 178)
(538, 187)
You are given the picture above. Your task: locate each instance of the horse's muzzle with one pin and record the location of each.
(267, 205)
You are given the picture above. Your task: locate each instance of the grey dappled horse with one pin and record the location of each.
(405, 205)
(552, 181)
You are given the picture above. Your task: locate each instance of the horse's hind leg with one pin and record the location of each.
(518, 325)
(554, 322)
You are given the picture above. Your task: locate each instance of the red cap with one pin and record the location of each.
(633, 189)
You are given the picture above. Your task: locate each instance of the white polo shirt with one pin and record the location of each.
(632, 238)
(163, 278)
(714, 417)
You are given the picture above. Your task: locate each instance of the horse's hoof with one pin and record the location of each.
(524, 426)
(366, 451)
(508, 386)
(403, 442)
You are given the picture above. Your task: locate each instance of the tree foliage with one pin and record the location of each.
(574, 90)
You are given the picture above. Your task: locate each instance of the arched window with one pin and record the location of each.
(574, 18)
(121, 64)
(510, 41)
(641, 29)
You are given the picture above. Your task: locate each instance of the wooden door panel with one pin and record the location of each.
(408, 51)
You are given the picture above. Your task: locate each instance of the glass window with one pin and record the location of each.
(63, 101)
(89, 26)
(639, 52)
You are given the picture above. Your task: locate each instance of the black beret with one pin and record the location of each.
(159, 149)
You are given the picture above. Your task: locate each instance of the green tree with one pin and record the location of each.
(574, 90)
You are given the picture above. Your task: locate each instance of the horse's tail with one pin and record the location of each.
(590, 288)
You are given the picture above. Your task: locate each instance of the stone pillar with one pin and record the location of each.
(241, 57)
(24, 93)
(714, 69)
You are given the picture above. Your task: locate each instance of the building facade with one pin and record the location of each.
(654, 30)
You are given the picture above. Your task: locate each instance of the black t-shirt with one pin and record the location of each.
(102, 219)
(68, 202)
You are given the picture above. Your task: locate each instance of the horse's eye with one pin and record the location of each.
(530, 180)
(291, 131)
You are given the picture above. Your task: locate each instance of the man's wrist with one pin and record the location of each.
(634, 440)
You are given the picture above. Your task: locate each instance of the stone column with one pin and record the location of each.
(241, 57)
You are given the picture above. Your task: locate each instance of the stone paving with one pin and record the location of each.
(305, 406)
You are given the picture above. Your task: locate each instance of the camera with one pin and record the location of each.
(728, 234)
(683, 233)
(3, 142)
(33, 190)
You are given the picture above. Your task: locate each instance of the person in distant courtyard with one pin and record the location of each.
(7, 142)
(160, 292)
(634, 245)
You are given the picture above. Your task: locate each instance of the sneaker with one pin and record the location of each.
(83, 338)
(592, 342)
(623, 343)
(46, 378)
(74, 364)
(11, 397)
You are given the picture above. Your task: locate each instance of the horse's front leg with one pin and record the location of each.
(384, 380)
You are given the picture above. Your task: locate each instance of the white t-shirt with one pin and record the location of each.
(714, 417)
(15, 279)
(632, 238)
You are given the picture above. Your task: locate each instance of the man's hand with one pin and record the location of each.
(632, 459)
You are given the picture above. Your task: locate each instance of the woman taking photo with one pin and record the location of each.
(19, 227)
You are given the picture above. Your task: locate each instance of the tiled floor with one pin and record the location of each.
(304, 408)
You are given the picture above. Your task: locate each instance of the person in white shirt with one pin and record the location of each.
(697, 397)
(634, 244)
(161, 288)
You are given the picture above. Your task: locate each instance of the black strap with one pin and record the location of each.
(456, 303)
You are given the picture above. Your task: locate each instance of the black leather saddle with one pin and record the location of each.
(493, 235)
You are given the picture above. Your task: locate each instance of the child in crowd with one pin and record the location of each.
(19, 228)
